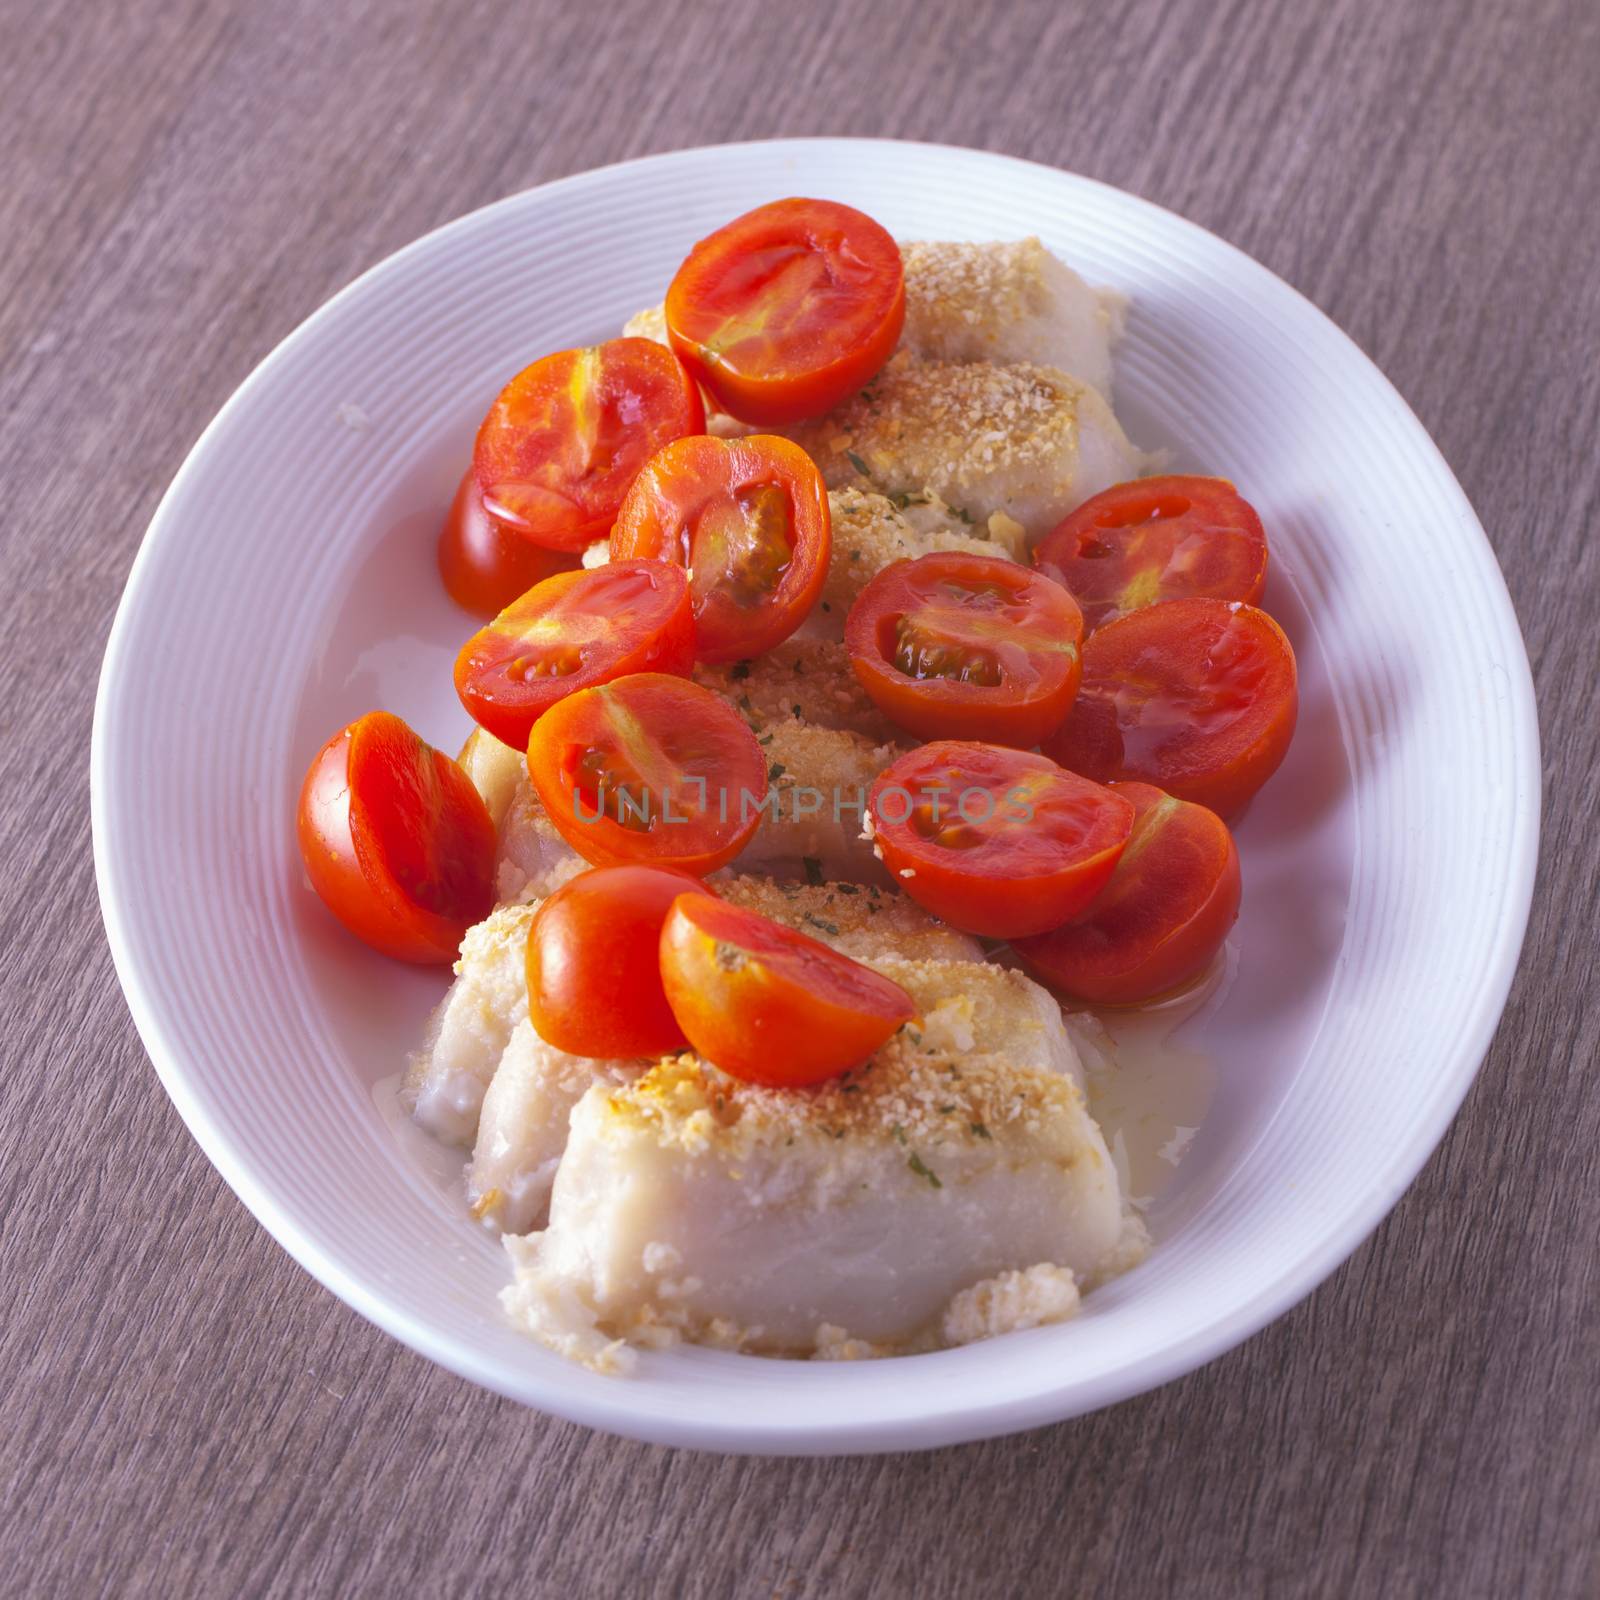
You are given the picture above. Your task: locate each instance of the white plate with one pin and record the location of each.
(286, 585)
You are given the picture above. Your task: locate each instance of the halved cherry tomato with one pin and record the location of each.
(749, 519)
(956, 646)
(484, 563)
(998, 842)
(770, 1005)
(571, 631)
(1195, 696)
(649, 768)
(1162, 916)
(594, 963)
(396, 840)
(789, 309)
(566, 436)
(1155, 539)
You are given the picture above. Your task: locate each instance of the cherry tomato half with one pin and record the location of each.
(486, 564)
(1155, 539)
(789, 309)
(1195, 696)
(566, 436)
(649, 768)
(998, 842)
(956, 646)
(1162, 916)
(572, 631)
(396, 840)
(749, 519)
(770, 1005)
(594, 963)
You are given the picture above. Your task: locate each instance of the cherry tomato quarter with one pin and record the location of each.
(788, 309)
(770, 1005)
(566, 437)
(485, 564)
(1197, 697)
(998, 842)
(594, 963)
(396, 841)
(572, 631)
(748, 518)
(956, 646)
(649, 768)
(1154, 539)
(1162, 916)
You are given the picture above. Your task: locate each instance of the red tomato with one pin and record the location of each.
(957, 646)
(1157, 539)
(999, 842)
(396, 840)
(749, 519)
(1195, 696)
(789, 309)
(767, 1004)
(565, 438)
(484, 563)
(1161, 917)
(572, 631)
(594, 963)
(649, 768)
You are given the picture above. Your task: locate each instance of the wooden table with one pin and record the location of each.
(182, 1409)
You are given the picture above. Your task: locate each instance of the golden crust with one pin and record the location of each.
(861, 920)
(807, 679)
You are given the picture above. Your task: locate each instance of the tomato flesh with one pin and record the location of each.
(566, 437)
(594, 963)
(957, 646)
(788, 309)
(649, 768)
(396, 841)
(572, 631)
(749, 520)
(486, 564)
(998, 842)
(1162, 916)
(1197, 697)
(1169, 538)
(767, 1004)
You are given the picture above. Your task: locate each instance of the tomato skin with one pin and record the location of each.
(396, 841)
(1154, 539)
(1161, 918)
(689, 762)
(1015, 636)
(627, 616)
(594, 963)
(695, 502)
(770, 1005)
(565, 437)
(1197, 697)
(486, 564)
(1037, 857)
(788, 309)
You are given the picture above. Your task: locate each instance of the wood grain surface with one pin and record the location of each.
(182, 1410)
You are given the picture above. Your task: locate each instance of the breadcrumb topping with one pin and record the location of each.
(1010, 1302)
(871, 532)
(944, 425)
(859, 919)
(808, 679)
(916, 1092)
(954, 288)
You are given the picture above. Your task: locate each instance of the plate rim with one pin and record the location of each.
(959, 1423)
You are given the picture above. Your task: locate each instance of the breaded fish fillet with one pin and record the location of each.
(1023, 441)
(1008, 301)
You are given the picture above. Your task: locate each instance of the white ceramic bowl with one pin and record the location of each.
(286, 585)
